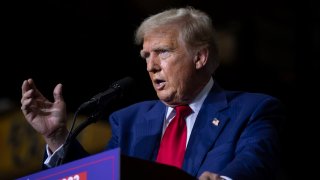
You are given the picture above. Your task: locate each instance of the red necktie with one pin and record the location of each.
(173, 143)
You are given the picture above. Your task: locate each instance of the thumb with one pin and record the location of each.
(57, 93)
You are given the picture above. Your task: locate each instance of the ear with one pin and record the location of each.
(201, 58)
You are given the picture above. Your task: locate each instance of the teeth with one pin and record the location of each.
(159, 84)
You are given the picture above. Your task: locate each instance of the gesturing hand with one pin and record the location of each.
(47, 118)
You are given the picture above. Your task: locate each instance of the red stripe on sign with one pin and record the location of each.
(79, 176)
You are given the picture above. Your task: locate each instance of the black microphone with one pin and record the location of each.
(116, 90)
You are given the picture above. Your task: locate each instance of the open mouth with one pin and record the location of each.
(159, 84)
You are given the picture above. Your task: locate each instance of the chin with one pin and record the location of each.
(163, 97)
(167, 100)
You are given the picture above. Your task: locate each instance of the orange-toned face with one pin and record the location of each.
(170, 65)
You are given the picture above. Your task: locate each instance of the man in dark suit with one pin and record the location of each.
(226, 134)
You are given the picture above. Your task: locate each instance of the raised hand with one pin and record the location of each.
(47, 118)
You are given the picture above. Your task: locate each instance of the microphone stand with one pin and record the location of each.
(66, 146)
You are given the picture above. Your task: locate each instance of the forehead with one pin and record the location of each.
(168, 36)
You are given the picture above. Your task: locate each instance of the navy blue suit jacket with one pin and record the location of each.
(244, 144)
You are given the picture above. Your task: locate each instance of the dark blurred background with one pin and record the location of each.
(265, 46)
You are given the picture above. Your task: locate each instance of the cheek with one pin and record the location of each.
(172, 66)
(171, 73)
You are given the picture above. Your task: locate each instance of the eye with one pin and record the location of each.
(164, 54)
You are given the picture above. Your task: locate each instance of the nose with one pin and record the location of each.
(153, 64)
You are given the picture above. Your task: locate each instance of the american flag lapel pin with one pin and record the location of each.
(215, 121)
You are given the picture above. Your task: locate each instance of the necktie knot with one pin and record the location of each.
(183, 111)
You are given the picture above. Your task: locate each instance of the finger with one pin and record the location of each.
(27, 95)
(33, 86)
(37, 93)
(25, 86)
(28, 98)
(210, 176)
(57, 93)
(26, 106)
(204, 176)
(29, 84)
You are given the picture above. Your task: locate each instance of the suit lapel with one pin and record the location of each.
(148, 132)
(206, 129)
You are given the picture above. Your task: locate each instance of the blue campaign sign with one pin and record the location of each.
(105, 165)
